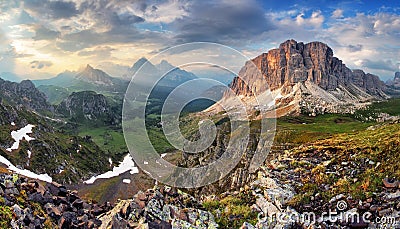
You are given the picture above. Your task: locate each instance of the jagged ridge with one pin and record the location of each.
(308, 78)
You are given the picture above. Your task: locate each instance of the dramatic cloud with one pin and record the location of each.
(387, 65)
(51, 9)
(224, 22)
(113, 34)
(43, 33)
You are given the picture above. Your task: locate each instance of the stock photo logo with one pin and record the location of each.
(237, 109)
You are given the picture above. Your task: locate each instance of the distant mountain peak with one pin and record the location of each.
(165, 66)
(136, 66)
(92, 75)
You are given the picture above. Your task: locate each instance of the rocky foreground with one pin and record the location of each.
(346, 181)
(28, 203)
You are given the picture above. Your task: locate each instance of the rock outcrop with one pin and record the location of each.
(90, 106)
(27, 203)
(396, 80)
(24, 94)
(96, 76)
(160, 207)
(394, 86)
(307, 78)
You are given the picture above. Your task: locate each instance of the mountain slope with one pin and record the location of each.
(90, 106)
(306, 78)
(29, 141)
(95, 76)
(54, 94)
(64, 79)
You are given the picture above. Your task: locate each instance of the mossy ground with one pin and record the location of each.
(374, 154)
(232, 211)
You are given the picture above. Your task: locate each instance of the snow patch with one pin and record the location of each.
(126, 165)
(163, 155)
(29, 153)
(20, 134)
(110, 161)
(25, 172)
(126, 181)
(12, 123)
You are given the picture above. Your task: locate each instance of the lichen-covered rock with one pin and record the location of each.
(159, 208)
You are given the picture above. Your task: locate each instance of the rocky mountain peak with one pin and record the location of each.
(93, 75)
(165, 65)
(395, 83)
(27, 84)
(148, 69)
(308, 76)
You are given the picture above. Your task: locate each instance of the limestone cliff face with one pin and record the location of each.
(396, 80)
(298, 66)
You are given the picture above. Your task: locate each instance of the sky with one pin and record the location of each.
(41, 38)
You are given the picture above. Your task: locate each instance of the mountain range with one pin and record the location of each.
(68, 130)
(174, 76)
(304, 78)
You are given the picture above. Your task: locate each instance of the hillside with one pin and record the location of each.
(90, 106)
(29, 141)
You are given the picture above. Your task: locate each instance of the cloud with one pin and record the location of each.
(338, 13)
(315, 20)
(354, 48)
(54, 9)
(118, 31)
(43, 33)
(166, 12)
(222, 21)
(386, 65)
(40, 64)
(98, 52)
